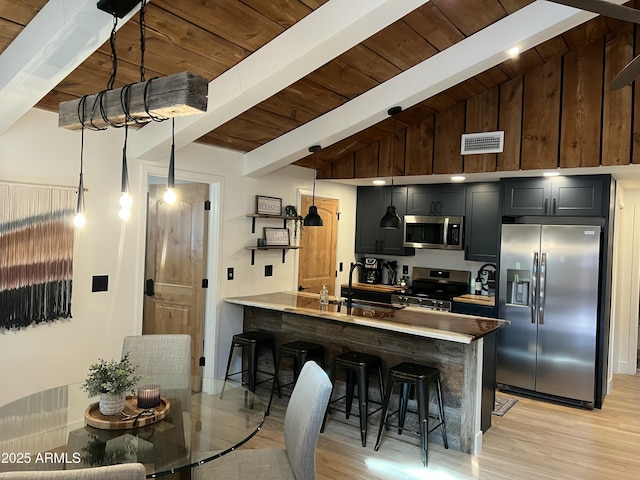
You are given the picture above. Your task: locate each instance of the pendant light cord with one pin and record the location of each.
(114, 55)
(393, 155)
(143, 8)
(313, 195)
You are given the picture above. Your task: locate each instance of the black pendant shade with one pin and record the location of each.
(313, 219)
(391, 220)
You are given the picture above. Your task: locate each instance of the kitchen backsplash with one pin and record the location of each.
(451, 260)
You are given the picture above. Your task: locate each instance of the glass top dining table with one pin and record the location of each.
(48, 430)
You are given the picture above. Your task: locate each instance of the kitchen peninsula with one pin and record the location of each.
(461, 346)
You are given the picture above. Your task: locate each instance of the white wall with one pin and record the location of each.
(626, 286)
(36, 151)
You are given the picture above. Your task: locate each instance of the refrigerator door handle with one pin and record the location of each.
(543, 281)
(534, 287)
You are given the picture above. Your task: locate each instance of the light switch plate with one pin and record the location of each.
(268, 270)
(230, 273)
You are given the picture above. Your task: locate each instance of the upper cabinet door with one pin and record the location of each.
(526, 196)
(371, 207)
(558, 196)
(436, 200)
(577, 196)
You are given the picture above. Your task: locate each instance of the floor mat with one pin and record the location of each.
(502, 405)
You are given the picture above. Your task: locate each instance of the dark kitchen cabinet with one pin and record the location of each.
(436, 200)
(556, 196)
(372, 205)
(482, 222)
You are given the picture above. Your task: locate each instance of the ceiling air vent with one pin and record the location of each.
(486, 142)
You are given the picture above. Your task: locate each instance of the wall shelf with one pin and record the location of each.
(253, 217)
(273, 247)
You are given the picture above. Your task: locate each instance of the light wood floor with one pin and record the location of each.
(534, 440)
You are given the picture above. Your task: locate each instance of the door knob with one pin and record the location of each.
(301, 288)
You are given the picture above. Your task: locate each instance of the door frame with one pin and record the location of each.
(213, 246)
(294, 282)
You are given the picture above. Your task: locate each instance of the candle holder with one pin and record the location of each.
(148, 396)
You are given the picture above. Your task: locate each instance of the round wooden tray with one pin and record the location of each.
(94, 418)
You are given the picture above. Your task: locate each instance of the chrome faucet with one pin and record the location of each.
(350, 291)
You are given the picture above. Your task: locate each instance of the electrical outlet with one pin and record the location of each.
(405, 269)
(230, 273)
(268, 270)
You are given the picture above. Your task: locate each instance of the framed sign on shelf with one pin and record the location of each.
(268, 205)
(276, 237)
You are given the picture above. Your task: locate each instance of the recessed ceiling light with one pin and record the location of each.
(379, 182)
(513, 52)
(550, 174)
(458, 178)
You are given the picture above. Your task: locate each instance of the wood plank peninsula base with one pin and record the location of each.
(456, 344)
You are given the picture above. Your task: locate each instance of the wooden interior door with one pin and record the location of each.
(317, 258)
(175, 267)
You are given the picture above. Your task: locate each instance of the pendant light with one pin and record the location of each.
(313, 219)
(391, 220)
(79, 219)
(170, 194)
(125, 199)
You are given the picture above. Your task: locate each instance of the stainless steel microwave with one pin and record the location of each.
(432, 231)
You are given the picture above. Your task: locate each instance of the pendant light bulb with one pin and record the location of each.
(313, 219)
(170, 194)
(391, 220)
(79, 220)
(124, 213)
(125, 200)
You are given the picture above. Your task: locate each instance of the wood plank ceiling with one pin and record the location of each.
(209, 37)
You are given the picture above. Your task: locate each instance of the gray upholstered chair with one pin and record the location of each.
(302, 422)
(164, 360)
(126, 471)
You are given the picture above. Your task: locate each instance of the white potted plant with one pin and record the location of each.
(111, 380)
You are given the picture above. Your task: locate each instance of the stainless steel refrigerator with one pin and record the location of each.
(549, 278)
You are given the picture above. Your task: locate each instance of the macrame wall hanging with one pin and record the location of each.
(36, 254)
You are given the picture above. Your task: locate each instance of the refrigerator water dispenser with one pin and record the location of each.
(518, 287)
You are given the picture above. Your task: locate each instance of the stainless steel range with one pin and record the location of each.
(433, 288)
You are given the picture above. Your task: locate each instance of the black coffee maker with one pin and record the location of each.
(372, 271)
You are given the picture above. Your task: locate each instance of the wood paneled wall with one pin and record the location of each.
(558, 115)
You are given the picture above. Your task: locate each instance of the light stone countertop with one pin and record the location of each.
(411, 320)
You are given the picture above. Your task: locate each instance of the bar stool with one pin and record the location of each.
(359, 366)
(300, 351)
(253, 341)
(420, 377)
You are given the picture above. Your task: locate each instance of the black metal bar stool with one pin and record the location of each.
(359, 366)
(253, 341)
(420, 377)
(300, 351)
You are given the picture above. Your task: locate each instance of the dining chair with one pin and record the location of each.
(163, 359)
(302, 421)
(125, 471)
